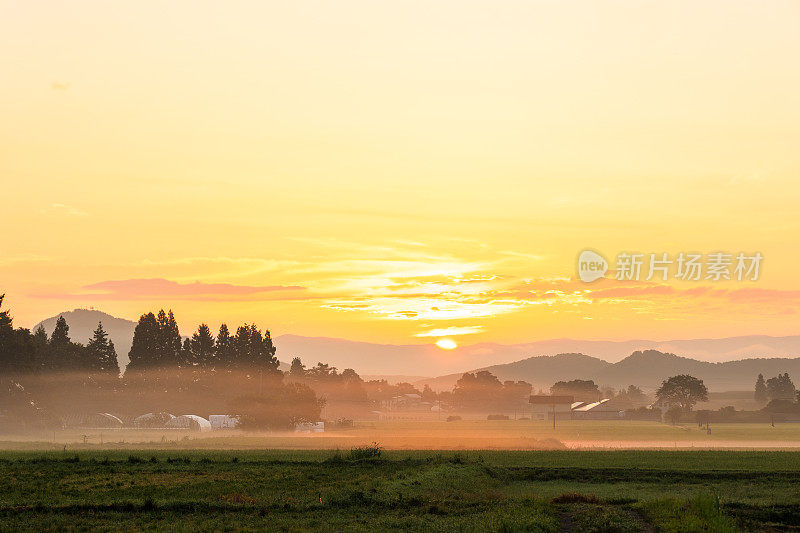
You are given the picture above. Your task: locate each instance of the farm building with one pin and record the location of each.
(152, 420)
(223, 421)
(93, 420)
(605, 409)
(546, 406)
(193, 422)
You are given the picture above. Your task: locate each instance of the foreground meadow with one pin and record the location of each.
(371, 489)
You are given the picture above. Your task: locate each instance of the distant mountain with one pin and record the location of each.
(646, 369)
(603, 361)
(83, 322)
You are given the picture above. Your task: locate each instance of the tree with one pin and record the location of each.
(298, 369)
(515, 393)
(322, 372)
(477, 389)
(674, 414)
(202, 347)
(18, 353)
(100, 353)
(280, 407)
(583, 390)
(428, 395)
(223, 347)
(682, 391)
(157, 343)
(633, 394)
(760, 394)
(780, 388)
(62, 353)
(169, 342)
(142, 355)
(253, 351)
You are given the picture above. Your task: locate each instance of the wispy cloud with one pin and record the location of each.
(64, 209)
(451, 331)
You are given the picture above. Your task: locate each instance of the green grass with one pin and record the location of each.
(374, 489)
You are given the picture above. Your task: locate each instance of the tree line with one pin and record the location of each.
(23, 352)
(157, 345)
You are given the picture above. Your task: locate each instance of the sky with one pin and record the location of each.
(401, 172)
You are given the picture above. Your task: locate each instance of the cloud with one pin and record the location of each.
(446, 332)
(63, 209)
(59, 86)
(157, 288)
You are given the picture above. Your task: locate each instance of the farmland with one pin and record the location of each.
(369, 488)
(464, 475)
(436, 435)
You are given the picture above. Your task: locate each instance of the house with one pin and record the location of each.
(547, 406)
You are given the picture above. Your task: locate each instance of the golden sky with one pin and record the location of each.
(400, 172)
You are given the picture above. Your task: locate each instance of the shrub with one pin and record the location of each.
(365, 453)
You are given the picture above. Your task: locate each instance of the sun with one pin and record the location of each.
(446, 344)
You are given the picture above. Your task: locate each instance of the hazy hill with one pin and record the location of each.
(83, 322)
(646, 369)
(382, 359)
(604, 361)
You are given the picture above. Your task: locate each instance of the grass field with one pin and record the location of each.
(630, 490)
(464, 434)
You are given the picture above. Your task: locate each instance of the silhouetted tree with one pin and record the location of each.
(223, 351)
(144, 346)
(100, 353)
(157, 343)
(169, 345)
(583, 390)
(202, 347)
(682, 391)
(298, 369)
(62, 353)
(477, 389)
(322, 372)
(18, 354)
(780, 388)
(760, 393)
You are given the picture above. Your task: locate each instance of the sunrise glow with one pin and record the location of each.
(343, 179)
(447, 344)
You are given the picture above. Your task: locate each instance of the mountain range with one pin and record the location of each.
(725, 364)
(646, 369)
